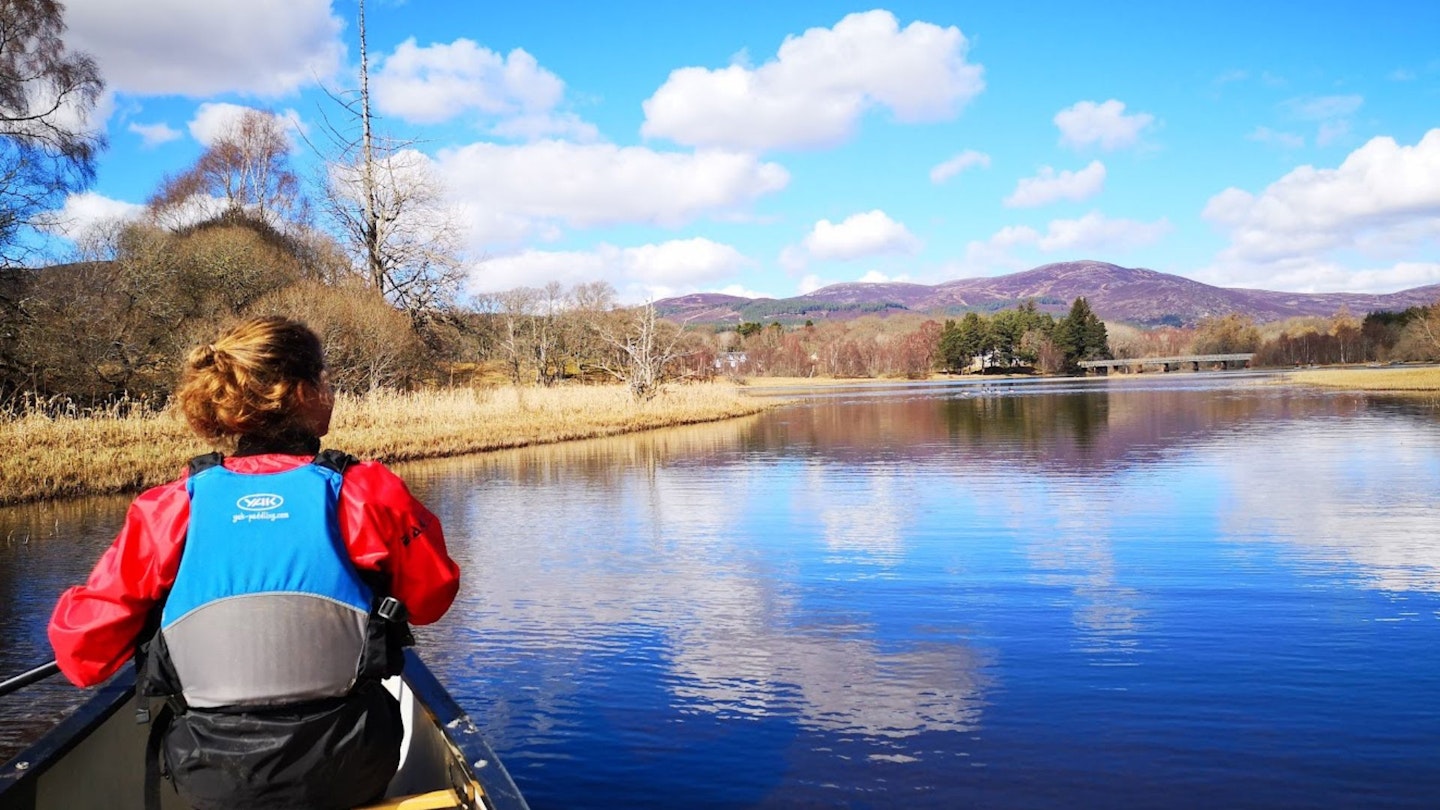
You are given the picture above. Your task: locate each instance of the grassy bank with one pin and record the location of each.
(43, 457)
(1418, 380)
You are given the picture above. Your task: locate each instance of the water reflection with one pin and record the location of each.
(863, 517)
(44, 548)
(1363, 501)
(737, 640)
(1072, 432)
(1082, 595)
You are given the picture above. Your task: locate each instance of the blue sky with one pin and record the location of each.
(773, 148)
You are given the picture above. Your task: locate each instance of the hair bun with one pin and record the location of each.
(204, 356)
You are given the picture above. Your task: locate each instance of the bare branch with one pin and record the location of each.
(46, 95)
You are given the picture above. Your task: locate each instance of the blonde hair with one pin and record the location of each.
(256, 379)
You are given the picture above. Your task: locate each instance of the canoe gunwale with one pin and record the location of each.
(19, 776)
(481, 761)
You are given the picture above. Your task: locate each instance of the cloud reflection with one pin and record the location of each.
(633, 533)
(1344, 504)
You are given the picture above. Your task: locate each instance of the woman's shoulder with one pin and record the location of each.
(166, 504)
(372, 477)
(166, 491)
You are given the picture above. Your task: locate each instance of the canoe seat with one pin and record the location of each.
(434, 800)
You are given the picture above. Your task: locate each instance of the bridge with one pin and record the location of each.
(1191, 361)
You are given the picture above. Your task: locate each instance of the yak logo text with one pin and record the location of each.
(259, 502)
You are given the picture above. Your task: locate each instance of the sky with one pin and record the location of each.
(769, 149)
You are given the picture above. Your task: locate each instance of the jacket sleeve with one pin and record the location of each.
(94, 627)
(387, 529)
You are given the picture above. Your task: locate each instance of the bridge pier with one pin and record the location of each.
(1194, 362)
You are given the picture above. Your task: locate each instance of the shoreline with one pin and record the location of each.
(45, 459)
(1383, 379)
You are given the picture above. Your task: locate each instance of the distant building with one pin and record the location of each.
(731, 361)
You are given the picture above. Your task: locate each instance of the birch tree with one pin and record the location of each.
(246, 170)
(388, 206)
(47, 93)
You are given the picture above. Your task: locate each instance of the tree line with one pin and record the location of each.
(365, 253)
(1406, 336)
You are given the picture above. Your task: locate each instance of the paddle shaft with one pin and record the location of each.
(24, 679)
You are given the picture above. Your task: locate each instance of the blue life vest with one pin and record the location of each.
(267, 608)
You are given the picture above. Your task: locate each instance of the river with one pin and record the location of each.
(1181, 590)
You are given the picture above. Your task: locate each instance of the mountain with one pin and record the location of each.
(1123, 294)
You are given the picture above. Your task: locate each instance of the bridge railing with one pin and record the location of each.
(1237, 357)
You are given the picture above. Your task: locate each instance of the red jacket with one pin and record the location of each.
(94, 627)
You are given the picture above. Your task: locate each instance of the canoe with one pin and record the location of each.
(95, 756)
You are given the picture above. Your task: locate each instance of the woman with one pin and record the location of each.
(266, 572)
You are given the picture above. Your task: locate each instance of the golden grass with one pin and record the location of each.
(1372, 379)
(43, 457)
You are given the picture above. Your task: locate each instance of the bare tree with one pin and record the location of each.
(583, 304)
(46, 95)
(513, 309)
(247, 167)
(1426, 330)
(547, 336)
(388, 206)
(644, 349)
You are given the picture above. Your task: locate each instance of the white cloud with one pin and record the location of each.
(1096, 232)
(1332, 131)
(1308, 275)
(811, 283)
(1331, 113)
(1287, 140)
(683, 261)
(154, 134)
(877, 277)
(817, 87)
(1401, 75)
(867, 234)
(213, 119)
(436, 83)
(534, 126)
(1323, 108)
(1086, 123)
(1048, 187)
(83, 213)
(1093, 233)
(261, 47)
(1012, 235)
(742, 291)
(957, 164)
(647, 271)
(513, 192)
(996, 253)
(1382, 189)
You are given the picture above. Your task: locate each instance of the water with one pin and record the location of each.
(1173, 591)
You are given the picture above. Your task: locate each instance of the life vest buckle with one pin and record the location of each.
(391, 610)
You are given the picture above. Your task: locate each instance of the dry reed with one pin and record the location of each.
(1418, 380)
(44, 456)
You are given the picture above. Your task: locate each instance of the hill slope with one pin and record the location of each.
(1124, 294)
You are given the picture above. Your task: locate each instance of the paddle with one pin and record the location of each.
(24, 679)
